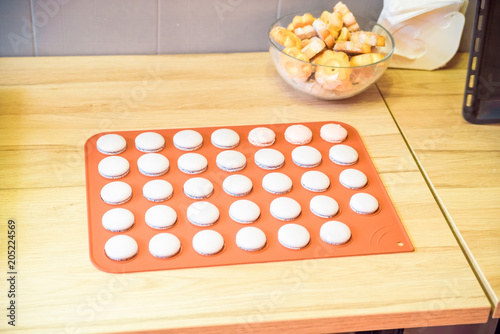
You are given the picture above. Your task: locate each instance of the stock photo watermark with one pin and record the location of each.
(95, 304)
(122, 108)
(11, 272)
(487, 86)
(222, 7)
(292, 280)
(40, 18)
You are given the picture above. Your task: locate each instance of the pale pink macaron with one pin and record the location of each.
(298, 134)
(333, 133)
(261, 137)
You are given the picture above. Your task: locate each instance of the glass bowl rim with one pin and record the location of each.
(273, 43)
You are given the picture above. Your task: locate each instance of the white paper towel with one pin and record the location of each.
(426, 33)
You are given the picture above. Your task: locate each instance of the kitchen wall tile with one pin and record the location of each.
(79, 29)
(51, 48)
(143, 30)
(362, 8)
(110, 48)
(110, 8)
(79, 49)
(140, 48)
(70, 29)
(140, 8)
(49, 33)
(49, 28)
(231, 22)
(142, 35)
(79, 34)
(14, 7)
(100, 27)
(215, 26)
(111, 29)
(302, 6)
(16, 33)
(79, 8)
(259, 27)
(174, 28)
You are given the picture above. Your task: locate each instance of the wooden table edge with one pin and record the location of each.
(340, 324)
(457, 62)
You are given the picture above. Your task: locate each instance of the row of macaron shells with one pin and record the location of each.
(209, 242)
(257, 235)
(190, 140)
(237, 185)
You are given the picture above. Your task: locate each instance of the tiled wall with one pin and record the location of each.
(117, 27)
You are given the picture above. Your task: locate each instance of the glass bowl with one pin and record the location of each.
(324, 81)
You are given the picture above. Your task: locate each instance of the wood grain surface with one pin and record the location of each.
(50, 106)
(460, 159)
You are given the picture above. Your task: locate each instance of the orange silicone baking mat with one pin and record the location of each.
(377, 233)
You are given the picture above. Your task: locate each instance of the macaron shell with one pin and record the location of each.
(149, 142)
(293, 236)
(251, 239)
(153, 164)
(335, 233)
(188, 140)
(315, 181)
(244, 211)
(208, 242)
(157, 190)
(192, 163)
(198, 188)
(118, 220)
(364, 203)
(277, 183)
(298, 134)
(324, 206)
(121, 248)
(231, 161)
(202, 213)
(353, 179)
(160, 217)
(268, 158)
(225, 138)
(237, 185)
(333, 133)
(114, 167)
(285, 208)
(343, 154)
(261, 137)
(164, 245)
(111, 144)
(306, 156)
(116, 192)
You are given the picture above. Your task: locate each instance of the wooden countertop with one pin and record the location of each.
(460, 159)
(50, 106)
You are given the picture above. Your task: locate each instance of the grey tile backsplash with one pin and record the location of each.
(16, 32)
(126, 27)
(200, 26)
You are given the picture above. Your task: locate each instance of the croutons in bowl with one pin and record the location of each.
(330, 55)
